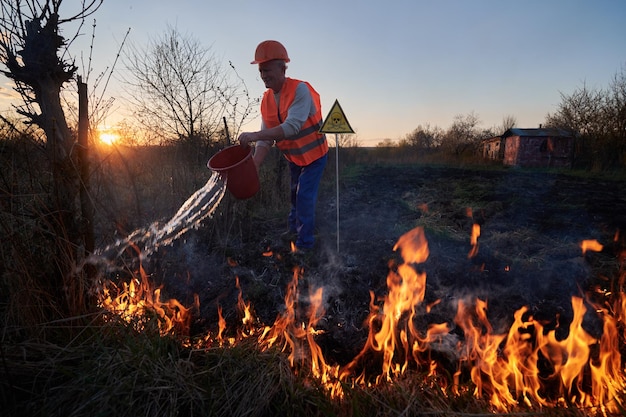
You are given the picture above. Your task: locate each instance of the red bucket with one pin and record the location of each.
(236, 162)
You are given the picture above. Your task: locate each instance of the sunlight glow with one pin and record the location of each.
(108, 138)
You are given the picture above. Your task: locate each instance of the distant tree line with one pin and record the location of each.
(461, 140)
(597, 117)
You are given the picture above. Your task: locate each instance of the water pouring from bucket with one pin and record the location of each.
(236, 165)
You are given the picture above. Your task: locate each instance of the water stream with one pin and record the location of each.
(201, 205)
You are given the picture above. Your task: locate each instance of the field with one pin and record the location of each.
(532, 224)
(528, 254)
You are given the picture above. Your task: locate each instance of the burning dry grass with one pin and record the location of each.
(131, 364)
(135, 363)
(122, 365)
(118, 372)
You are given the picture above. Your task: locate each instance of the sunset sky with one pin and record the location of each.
(395, 65)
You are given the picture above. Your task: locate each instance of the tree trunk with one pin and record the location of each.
(63, 210)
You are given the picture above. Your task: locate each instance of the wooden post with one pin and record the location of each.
(86, 203)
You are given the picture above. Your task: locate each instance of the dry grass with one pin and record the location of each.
(110, 370)
(82, 366)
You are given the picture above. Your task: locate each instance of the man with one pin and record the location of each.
(291, 118)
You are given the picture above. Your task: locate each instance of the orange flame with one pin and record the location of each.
(396, 336)
(592, 245)
(134, 302)
(506, 364)
(221, 325)
(245, 310)
(529, 364)
(299, 338)
(474, 240)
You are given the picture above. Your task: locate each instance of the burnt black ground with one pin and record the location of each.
(532, 224)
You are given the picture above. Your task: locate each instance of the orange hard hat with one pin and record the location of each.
(269, 50)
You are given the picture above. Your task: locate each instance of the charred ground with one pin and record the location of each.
(532, 223)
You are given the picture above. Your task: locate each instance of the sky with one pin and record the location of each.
(394, 65)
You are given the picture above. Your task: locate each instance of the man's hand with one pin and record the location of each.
(246, 137)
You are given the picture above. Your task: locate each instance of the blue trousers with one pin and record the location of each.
(305, 182)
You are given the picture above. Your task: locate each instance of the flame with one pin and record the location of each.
(136, 301)
(244, 308)
(299, 338)
(474, 240)
(505, 367)
(221, 326)
(592, 245)
(531, 363)
(413, 246)
(391, 330)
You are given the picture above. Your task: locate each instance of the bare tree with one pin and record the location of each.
(425, 137)
(616, 107)
(346, 140)
(386, 143)
(508, 122)
(181, 90)
(598, 116)
(100, 104)
(35, 57)
(582, 111)
(462, 134)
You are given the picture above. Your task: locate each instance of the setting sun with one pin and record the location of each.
(108, 137)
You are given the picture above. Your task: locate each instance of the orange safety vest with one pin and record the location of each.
(308, 145)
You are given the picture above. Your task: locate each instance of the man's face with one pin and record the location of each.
(273, 74)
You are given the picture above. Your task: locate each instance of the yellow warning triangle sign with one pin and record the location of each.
(336, 121)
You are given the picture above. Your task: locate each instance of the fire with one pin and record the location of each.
(592, 245)
(531, 363)
(474, 240)
(137, 300)
(582, 370)
(413, 246)
(244, 308)
(299, 337)
(391, 330)
(221, 326)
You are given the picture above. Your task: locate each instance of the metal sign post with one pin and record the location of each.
(337, 183)
(336, 123)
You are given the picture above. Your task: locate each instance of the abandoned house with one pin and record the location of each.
(542, 147)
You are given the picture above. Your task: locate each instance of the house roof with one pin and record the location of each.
(541, 132)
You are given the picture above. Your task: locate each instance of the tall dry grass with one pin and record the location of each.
(57, 364)
(111, 370)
